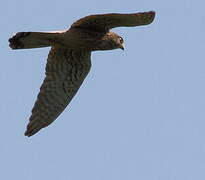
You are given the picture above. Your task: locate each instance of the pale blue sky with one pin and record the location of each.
(140, 114)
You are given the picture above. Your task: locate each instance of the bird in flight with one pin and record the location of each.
(69, 59)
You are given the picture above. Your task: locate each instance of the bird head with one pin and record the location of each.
(116, 41)
(111, 41)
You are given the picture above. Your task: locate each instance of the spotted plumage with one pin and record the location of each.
(69, 59)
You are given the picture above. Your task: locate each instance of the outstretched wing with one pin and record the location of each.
(65, 71)
(104, 22)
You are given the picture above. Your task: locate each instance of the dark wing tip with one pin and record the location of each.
(15, 41)
(32, 128)
(152, 15)
(152, 12)
(29, 133)
(149, 16)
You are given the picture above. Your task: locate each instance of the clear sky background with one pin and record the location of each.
(140, 114)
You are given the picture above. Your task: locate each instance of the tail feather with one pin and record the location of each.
(26, 40)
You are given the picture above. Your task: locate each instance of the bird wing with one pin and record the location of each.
(65, 71)
(104, 22)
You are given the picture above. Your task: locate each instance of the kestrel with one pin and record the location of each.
(69, 59)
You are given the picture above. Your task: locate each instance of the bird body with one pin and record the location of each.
(74, 38)
(69, 59)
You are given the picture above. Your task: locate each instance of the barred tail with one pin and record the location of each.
(27, 40)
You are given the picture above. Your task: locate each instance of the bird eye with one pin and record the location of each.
(121, 40)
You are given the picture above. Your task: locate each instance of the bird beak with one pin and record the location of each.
(122, 47)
